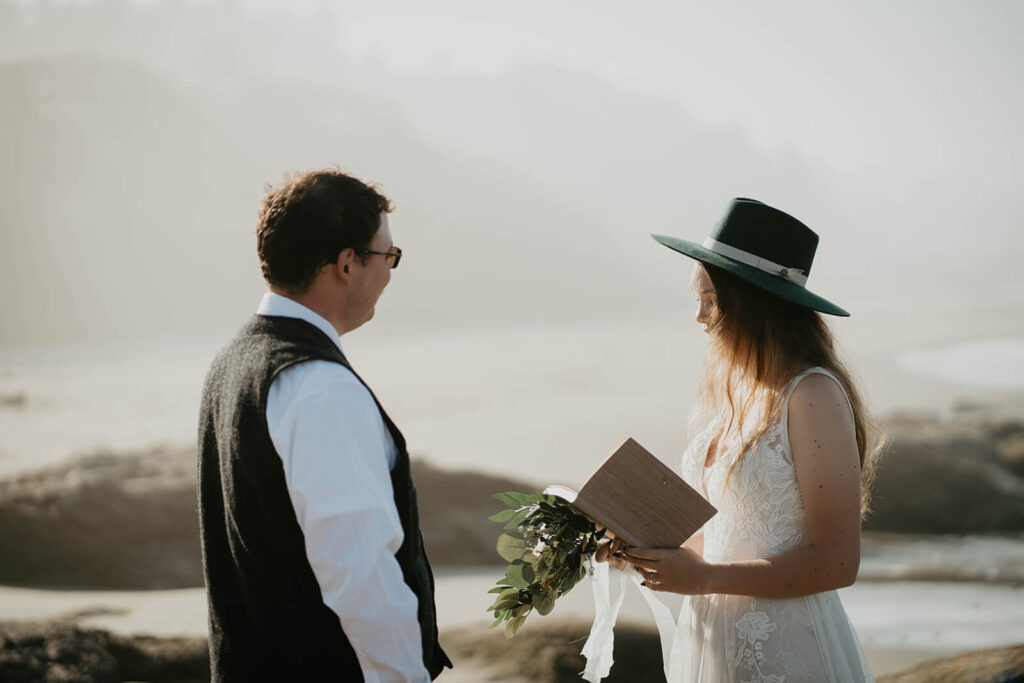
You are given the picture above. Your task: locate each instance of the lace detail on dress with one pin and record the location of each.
(760, 509)
(755, 628)
(761, 514)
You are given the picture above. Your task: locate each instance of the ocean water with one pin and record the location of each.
(546, 404)
(985, 363)
(77, 401)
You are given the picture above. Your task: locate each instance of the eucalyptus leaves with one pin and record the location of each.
(546, 543)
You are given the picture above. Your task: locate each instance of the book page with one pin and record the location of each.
(563, 492)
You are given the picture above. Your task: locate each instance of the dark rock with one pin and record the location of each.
(66, 653)
(170, 660)
(949, 476)
(103, 521)
(15, 400)
(129, 521)
(454, 511)
(999, 665)
(549, 652)
(56, 653)
(1010, 449)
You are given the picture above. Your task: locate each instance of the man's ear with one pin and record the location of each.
(346, 257)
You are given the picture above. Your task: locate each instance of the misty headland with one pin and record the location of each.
(138, 138)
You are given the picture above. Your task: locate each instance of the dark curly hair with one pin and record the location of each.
(309, 219)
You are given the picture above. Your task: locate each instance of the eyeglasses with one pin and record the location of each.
(394, 256)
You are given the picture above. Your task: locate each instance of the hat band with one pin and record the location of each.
(794, 275)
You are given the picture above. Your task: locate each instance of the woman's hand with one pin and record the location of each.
(611, 552)
(678, 570)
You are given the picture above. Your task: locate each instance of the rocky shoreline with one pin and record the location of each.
(129, 521)
(544, 653)
(58, 651)
(958, 474)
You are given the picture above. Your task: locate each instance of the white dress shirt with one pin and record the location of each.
(337, 456)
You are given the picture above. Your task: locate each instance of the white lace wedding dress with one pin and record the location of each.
(732, 638)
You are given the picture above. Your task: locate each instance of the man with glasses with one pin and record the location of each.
(312, 552)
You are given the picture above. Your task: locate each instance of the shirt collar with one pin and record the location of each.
(281, 306)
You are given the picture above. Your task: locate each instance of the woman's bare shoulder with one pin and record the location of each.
(817, 397)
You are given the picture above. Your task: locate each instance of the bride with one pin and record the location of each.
(781, 448)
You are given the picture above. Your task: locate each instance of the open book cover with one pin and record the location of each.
(640, 499)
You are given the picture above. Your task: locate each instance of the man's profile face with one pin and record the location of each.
(369, 279)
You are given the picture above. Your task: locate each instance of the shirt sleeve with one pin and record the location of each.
(334, 446)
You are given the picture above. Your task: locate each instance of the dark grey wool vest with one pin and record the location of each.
(268, 620)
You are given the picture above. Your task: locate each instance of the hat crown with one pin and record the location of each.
(768, 233)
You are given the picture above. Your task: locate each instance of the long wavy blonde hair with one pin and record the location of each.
(759, 342)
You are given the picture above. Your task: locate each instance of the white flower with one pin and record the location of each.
(754, 626)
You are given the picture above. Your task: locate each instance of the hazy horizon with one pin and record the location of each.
(529, 153)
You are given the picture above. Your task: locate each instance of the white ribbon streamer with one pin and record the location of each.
(666, 628)
(794, 275)
(600, 643)
(599, 646)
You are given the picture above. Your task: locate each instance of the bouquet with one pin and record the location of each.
(546, 543)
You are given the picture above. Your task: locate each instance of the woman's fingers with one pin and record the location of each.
(610, 551)
(650, 578)
(620, 556)
(653, 585)
(643, 555)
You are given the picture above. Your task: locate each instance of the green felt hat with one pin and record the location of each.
(764, 246)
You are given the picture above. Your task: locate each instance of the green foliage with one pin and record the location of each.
(510, 547)
(546, 543)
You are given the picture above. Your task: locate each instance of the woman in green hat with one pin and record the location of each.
(780, 446)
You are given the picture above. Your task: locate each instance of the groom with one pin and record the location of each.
(314, 562)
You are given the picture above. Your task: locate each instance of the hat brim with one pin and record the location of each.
(774, 284)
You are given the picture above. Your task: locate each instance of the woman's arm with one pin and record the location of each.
(827, 462)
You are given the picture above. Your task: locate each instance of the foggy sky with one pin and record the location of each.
(529, 154)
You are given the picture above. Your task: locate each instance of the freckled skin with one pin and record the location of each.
(819, 420)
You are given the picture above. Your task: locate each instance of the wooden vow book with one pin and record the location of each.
(640, 500)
